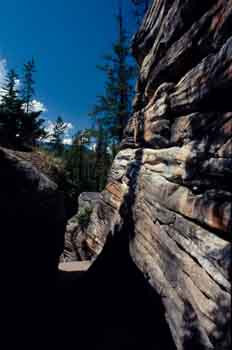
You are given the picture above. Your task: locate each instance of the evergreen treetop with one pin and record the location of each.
(113, 107)
(28, 90)
(19, 127)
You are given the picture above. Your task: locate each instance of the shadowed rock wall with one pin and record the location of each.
(33, 217)
(74, 239)
(171, 181)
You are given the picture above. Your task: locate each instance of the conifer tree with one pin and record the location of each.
(32, 125)
(32, 129)
(57, 136)
(28, 90)
(113, 107)
(10, 111)
(75, 160)
(20, 127)
(10, 100)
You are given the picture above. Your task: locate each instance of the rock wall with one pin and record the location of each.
(171, 181)
(75, 233)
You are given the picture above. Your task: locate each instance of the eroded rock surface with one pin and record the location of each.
(75, 234)
(171, 182)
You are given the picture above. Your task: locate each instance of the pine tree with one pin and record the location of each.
(87, 166)
(82, 142)
(10, 101)
(32, 129)
(113, 107)
(57, 136)
(32, 125)
(19, 127)
(10, 111)
(28, 84)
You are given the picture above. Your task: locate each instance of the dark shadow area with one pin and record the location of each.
(222, 331)
(220, 337)
(112, 306)
(33, 217)
(193, 337)
(219, 99)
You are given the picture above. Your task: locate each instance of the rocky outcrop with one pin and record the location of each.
(75, 235)
(33, 215)
(171, 181)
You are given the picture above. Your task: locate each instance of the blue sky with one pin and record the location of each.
(67, 38)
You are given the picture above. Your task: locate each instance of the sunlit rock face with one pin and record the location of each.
(171, 181)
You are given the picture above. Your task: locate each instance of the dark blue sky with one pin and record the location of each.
(67, 38)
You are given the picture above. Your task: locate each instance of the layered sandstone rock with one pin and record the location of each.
(171, 182)
(75, 233)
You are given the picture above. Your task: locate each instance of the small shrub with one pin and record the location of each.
(84, 216)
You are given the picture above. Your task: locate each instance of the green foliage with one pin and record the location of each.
(31, 129)
(10, 101)
(84, 216)
(19, 127)
(58, 136)
(10, 109)
(87, 167)
(28, 90)
(112, 109)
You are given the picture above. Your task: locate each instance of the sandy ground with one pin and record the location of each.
(75, 266)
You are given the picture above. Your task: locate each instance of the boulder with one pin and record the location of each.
(32, 209)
